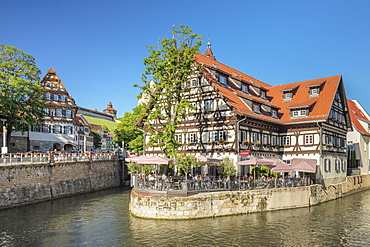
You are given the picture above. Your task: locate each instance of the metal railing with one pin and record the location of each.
(216, 184)
(53, 157)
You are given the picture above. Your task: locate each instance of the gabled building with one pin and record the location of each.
(58, 132)
(241, 117)
(107, 144)
(84, 137)
(358, 139)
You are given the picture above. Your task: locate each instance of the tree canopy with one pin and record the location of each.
(227, 167)
(170, 67)
(22, 99)
(185, 162)
(97, 139)
(127, 132)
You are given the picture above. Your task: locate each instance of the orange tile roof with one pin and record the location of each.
(356, 114)
(319, 106)
(51, 70)
(202, 59)
(209, 54)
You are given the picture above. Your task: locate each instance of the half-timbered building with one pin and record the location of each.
(58, 132)
(241, 117)
(358, 147)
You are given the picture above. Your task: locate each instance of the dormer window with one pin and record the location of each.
(299, 113)
(314, 92)
(256, 108)
(273, 113)
(263, 94)
(245, 89)
(222, 79)
(287, 96)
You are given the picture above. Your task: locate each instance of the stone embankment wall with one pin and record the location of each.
(21, 184)
(214, 204)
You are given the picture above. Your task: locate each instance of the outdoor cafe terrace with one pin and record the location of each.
(208, 183)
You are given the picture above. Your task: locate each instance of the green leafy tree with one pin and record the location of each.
(135, 168)
(22, 99)
(97, 139)
(227, 167)
(186, 162)
(170, 67)
(128, 132)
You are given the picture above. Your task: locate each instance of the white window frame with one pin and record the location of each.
(327, 166)
(288, 95)
(263, 94)
(194, 82)
(193, 137)
(299, 113)
(273, 113)
(286, 140)
(222, 79)
(243, 135)
(213, 137)
(208, 104)
(58, 112)
(255, 137)
(178, 138)
(314, 91)
(245, 88)
(308, 139)
(337, 165)
(256, 108)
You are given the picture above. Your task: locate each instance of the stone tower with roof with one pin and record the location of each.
(110, 110)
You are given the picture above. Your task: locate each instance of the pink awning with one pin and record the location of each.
(304, 165)
(150, 160)
(207, 160)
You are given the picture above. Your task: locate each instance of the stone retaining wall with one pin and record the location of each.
(224, 203)
(21, 184)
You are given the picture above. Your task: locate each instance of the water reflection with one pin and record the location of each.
(102, 219)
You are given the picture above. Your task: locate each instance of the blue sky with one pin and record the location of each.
(97, 47)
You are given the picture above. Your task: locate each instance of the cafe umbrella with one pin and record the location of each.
(305, 167)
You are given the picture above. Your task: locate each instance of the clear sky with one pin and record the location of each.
(97, 46)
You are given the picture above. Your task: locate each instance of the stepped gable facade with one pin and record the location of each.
(241, 117)
(58, 132)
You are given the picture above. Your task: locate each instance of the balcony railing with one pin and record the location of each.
(53, 157)
(182, 184)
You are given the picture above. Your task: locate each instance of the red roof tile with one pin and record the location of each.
(357, 114)
(319, 105)
(301, 97)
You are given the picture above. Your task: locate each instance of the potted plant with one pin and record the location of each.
(245, 142)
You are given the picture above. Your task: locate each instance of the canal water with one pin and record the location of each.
(102, 219)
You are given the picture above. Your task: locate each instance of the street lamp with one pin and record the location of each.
(4, 148)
